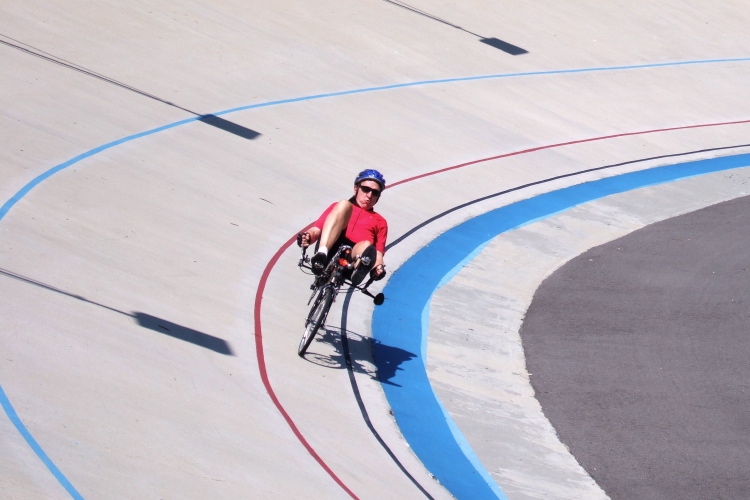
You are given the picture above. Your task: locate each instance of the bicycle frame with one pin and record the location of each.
(325, 288)
(333, 275)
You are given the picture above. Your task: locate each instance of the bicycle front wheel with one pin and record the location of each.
(316, 318)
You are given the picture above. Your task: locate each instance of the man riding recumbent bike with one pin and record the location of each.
(350, 238)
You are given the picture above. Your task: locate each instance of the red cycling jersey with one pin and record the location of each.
(363, 225)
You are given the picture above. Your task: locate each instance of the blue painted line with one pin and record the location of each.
(400, 324)
(25, 190)
(49, 173)
(484, 77)
(13, 416)
(36, 181)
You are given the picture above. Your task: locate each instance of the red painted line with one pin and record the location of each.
(293, 239)
(264, 372)
(540, 148)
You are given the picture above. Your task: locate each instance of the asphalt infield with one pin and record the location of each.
(638, 351)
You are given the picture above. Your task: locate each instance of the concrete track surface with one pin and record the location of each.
(158, 158)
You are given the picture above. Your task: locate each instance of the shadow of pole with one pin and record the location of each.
(228, 126)
(183, 333)
(506, 47)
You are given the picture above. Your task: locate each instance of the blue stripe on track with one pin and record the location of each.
(13, 417)
(486, 77)
(400, 324)
(34, 182)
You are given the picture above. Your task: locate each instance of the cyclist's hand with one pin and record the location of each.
(303, 239)
(378, 272)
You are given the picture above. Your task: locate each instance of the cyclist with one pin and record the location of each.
(353, 222)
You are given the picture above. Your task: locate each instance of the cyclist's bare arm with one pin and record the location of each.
(310, 236)
(379, 268)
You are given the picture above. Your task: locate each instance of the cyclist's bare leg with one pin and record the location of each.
(365, 257)
(333, 227)
(335, 223)
(358, 249)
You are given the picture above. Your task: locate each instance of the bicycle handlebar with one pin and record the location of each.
(378, 299)
(304, 249)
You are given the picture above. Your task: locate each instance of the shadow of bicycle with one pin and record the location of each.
(356, 352)
(332, 336)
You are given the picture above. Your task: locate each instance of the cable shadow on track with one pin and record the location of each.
(506, 47)
(213, 120)
(145, 320)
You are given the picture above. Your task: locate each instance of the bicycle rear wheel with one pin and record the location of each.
(316, 318)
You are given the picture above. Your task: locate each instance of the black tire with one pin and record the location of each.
(315, 319)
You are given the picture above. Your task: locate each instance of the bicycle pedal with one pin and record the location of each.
(365, 261)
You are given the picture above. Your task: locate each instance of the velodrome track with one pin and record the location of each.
(152, 305)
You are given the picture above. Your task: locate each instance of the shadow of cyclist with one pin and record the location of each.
(390, 360)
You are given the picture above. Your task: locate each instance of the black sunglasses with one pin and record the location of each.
(375, 192)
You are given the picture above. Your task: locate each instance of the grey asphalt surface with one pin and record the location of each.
(638, 352)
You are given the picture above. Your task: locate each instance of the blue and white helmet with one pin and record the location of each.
(370, 175)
